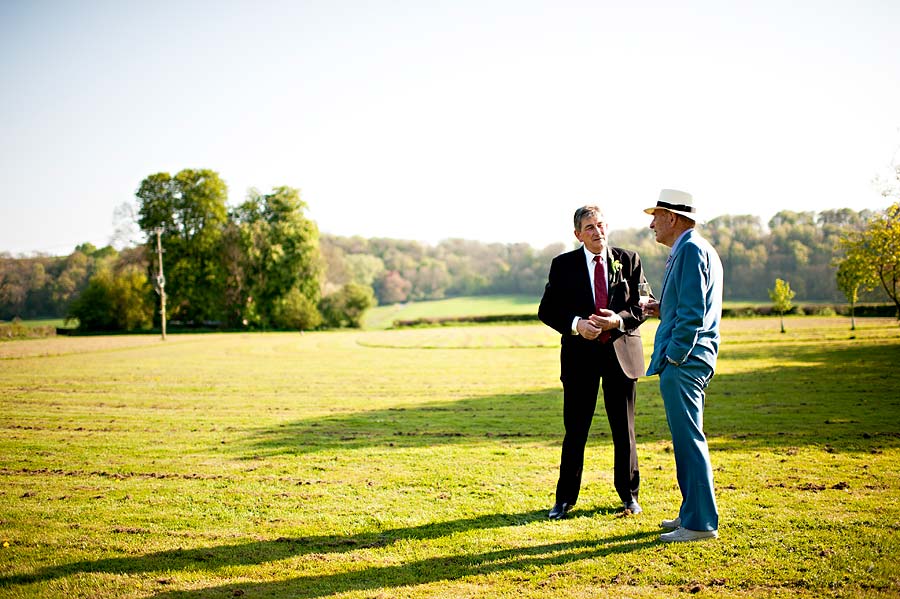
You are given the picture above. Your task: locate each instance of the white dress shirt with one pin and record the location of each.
(589, 258)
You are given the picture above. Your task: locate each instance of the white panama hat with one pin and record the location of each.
(679, 202)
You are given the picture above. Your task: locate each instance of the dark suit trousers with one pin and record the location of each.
(581, 383)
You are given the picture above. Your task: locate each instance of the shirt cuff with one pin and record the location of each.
(575, 325)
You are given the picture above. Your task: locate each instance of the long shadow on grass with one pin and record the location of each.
(436, 569)
(260, 552)
(523, 417)
(837, 395)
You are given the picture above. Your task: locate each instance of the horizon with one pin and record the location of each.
(565, 243)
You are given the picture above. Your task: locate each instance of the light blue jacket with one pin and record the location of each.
(690, 305)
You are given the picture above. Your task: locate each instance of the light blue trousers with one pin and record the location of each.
(682, 388)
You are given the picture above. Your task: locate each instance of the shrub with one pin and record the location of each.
(346, 307)
(296, 311)
(114, 301)
(17, 330)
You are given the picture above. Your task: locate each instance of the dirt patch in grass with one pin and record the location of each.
(58, 346)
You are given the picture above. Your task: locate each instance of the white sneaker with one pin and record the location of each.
(680, 535)
(671, 524)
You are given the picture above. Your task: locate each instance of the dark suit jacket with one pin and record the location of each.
(568, 294)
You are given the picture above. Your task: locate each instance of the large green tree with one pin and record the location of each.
(190, 210)
(739, 241)
(278, 262)
(873, 254)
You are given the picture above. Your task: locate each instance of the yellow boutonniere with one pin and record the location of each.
(616, 274)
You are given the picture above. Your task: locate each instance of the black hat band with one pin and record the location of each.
(681, 207)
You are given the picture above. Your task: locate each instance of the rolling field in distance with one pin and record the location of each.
(422, 462)
(381, 317)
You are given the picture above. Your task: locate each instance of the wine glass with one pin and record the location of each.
(644, 293)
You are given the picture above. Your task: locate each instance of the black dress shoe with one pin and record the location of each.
(632, 507)
(559, 510)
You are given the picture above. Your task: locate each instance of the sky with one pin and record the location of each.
(488, 120)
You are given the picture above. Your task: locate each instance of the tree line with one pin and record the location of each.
(264, 264)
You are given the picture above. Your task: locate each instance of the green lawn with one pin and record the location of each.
(32, 329)
(53, 322)
(382, 317)
(421, 463)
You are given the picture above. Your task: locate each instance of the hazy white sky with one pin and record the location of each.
(418, 119)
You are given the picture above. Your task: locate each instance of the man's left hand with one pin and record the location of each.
(605, 320)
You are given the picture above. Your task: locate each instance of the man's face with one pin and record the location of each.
(593, 233)
(663, 224)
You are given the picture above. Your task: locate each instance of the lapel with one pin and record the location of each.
(671, 262)
(613, 277)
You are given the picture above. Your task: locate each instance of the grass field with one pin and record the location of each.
(382, 317)
(53, 322)
(421, 463)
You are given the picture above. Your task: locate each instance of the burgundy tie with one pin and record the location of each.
(601, 298)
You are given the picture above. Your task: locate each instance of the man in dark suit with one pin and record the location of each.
(591, 298)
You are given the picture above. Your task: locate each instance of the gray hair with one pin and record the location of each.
(586, 212)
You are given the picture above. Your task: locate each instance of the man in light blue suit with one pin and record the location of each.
(684, 357)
